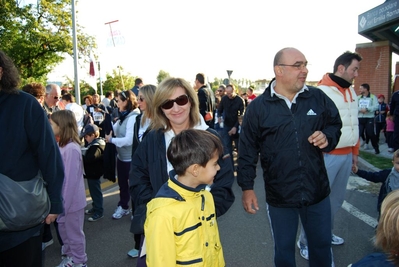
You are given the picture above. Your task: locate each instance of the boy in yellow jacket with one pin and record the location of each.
(181, 227)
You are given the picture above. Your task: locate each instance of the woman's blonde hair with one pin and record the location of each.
(65, 119)
(148, 92)
(164, 93)
(387, 237)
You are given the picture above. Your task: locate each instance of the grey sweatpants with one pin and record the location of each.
(338, 171)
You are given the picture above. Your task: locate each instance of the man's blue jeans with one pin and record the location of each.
(228, 141)
(316, 221)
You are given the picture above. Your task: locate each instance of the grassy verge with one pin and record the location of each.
(377, 161)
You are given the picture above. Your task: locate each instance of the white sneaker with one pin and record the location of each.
(46, 244)
(303, 250)
(119, 213)
(66, 262)
(336, 240)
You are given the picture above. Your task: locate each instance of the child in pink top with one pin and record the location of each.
(70, 223)
(389, 131)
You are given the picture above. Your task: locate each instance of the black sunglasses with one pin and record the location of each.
(181, 101)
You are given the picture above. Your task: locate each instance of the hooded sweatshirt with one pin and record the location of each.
(343, 95)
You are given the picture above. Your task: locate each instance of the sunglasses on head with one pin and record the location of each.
(181, 101)
(123, 94)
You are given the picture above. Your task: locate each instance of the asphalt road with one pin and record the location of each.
(246, 239)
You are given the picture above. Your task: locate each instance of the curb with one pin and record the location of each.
(365, 165)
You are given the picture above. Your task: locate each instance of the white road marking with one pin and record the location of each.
(359, 214)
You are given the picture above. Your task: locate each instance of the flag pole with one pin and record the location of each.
(75, 54)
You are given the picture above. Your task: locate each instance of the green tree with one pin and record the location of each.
(38, 37)
(114, 82)
(162, 75)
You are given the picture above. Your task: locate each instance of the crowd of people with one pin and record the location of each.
(175, 150)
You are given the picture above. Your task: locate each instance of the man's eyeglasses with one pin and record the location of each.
(220, 91)
(57, 97)
(181, 101)
(141, 99)
(297, 65)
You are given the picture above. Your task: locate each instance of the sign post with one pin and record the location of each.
(229, 72)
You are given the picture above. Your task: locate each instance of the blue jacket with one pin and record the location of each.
(293, 169)
(28, 145)
(148, 173)
(377, 177)
(374, 260)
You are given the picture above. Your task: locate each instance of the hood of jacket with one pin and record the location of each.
(342, 85)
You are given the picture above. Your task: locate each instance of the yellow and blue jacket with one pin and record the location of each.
(181, 228)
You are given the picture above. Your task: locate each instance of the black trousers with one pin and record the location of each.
(367, 125)
(26, 254)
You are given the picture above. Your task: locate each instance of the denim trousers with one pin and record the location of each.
(96, 195)
(316, 221)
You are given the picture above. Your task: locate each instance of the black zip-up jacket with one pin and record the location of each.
(149, 172)
(231, 108)
(93, 160)
(293, 168)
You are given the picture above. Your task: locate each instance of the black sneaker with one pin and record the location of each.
(95, 217)
(89, 212)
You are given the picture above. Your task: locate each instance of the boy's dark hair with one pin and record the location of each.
(193, 147)
(346, 59)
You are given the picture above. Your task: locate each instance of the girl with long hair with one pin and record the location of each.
(70, 222)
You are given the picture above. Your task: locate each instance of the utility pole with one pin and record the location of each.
(113, 42)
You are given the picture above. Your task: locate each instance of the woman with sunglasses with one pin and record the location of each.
(123, 129)
(141, 127)
(175, 107)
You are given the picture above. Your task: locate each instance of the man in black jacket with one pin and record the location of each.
(230, 107)
(291, 125)
(206, 104)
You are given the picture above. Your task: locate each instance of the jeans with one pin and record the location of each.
(96, 195)
(316, 220)
(228, 141)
